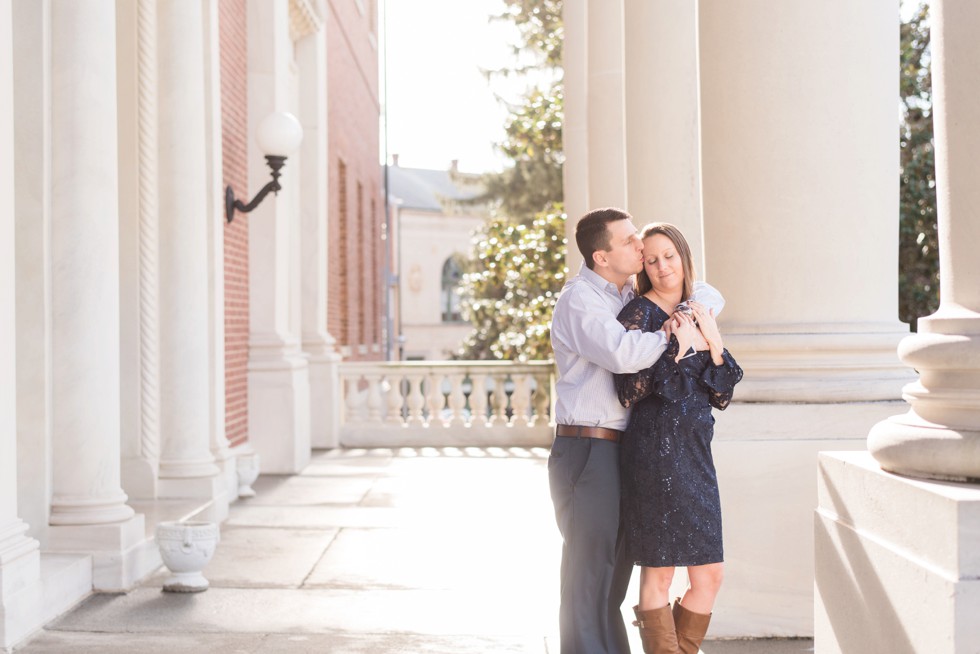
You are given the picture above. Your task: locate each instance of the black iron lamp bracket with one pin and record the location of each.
(231, 204)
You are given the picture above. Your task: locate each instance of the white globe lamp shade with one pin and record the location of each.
(279, 134)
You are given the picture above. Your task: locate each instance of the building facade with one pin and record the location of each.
(147, 344)
(355, 316)
(432, 241)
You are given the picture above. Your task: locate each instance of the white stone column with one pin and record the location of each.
(606, 97)
(575, 130)
(318, 344)
(595, 112)
(662, 148)
(139, 243)
(19, 557)
(220, 446)
(88, 508)
(32, 215)
(278, 377)
(187, 466)
(800, 212)
(800, 198)
(940, 435)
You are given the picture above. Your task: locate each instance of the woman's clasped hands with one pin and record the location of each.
(682, 326)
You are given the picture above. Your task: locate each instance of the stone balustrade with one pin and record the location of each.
(443, 403)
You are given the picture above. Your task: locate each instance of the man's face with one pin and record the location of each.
(625, 254)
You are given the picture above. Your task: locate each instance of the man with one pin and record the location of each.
(583, 469)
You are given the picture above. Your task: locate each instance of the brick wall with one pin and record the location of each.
(355, 185)
(233, 41)
(338, 320)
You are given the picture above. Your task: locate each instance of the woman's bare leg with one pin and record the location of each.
(655, 587)
(705, 584)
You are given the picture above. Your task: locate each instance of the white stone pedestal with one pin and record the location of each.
(766, 458)
(279, 408)
(121, 552)
(897, 561)
(325, 400)
(62, 581)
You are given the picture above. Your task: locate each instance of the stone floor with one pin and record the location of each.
(414, 550)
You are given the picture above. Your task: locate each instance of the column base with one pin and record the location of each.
(122, 553)
(909, 445)
(939, 437)
(808, 363)
(185, 469)
(897, 569)
(279, 410)
(90, 511)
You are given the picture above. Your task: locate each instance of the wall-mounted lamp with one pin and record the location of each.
(278, 135)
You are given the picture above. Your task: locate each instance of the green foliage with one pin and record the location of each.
(519, 265)
(511, 293)
(918, 257)
(540, 25)
(533, 130)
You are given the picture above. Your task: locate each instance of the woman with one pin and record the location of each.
(671, 509)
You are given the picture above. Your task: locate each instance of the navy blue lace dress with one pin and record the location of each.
(670, 504)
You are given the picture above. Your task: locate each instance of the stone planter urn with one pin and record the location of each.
(186, 548)
(247, 466)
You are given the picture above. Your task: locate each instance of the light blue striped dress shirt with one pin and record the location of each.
(590, 345)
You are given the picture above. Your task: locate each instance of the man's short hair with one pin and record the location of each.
(592, 231)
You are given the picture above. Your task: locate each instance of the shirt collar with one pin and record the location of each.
(605, 285)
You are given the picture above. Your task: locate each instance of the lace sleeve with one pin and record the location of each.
(633, 387)
(665, 379)
(720, 380)
(634, 316)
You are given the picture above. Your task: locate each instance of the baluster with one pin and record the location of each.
(373, 399)
(395, 399)
(478, 399)
(434, 399)
(457, 400)
(352, 401)
(520, 400)
(542, 399)
(416, 401)
(499, 416)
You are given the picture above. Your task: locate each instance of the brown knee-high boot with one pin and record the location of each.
(691, 628)
(657, 630)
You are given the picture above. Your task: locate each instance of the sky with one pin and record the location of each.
(439, 104)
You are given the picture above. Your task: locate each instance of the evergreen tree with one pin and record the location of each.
(918, 259)
(511, 292)
(519, 264)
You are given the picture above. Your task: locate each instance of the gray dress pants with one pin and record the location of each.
(584, 478)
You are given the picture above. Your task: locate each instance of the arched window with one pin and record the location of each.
(452, 273)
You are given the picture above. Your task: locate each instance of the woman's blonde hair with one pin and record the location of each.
(643, 284)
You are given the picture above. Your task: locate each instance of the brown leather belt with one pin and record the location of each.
(581, 431)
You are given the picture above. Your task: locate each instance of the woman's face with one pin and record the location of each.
(662, 263)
